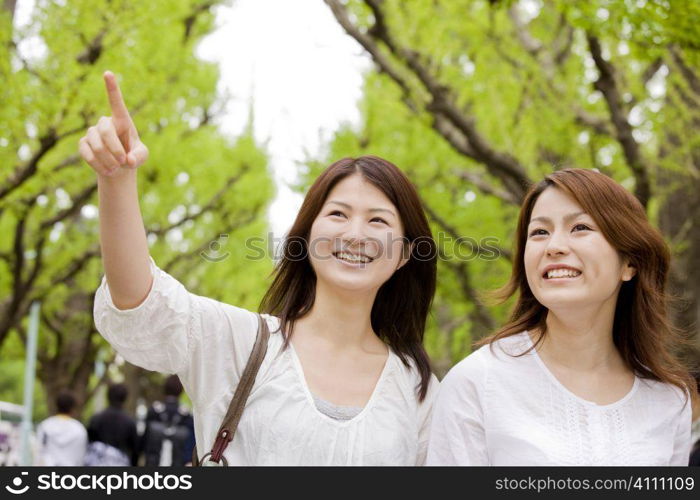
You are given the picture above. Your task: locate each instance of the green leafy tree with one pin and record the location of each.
(478, 99)
(197, 185)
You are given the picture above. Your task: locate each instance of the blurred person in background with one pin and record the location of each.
(167, 438)
(61, 439)
(112, 433)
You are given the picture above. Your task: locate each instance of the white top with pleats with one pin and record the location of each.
(497, 409)
(207, 344)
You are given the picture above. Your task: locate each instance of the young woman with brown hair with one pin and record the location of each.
(583, 373)
(346, 380)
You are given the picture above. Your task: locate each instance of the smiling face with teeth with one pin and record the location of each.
(568, 261)
(360, 251)
(356, 241)
(582, 220)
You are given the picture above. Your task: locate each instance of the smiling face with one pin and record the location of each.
(356, 241)
(568, 261)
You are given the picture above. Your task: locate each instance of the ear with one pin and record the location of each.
(407, 251)
(628, 272)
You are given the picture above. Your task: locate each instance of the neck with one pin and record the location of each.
(581, 339)
(342, 319)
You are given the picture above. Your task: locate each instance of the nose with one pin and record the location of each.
(557, 244)
(354, 232)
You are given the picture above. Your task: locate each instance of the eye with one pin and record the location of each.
(581, 227)
(380, 220)
(538, 232)
(336, 213)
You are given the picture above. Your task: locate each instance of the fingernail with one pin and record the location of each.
(122, 160)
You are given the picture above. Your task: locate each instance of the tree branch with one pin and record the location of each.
(599, 125)
(212, 204)
(529, 43)
(15, 305)
(93, 49)
(563, 42)
(485, 186)
(501, 165)
(192, 18)
(454, 234)
(652, 69)
(70, 271)
(687, 72)
(204, 246)
(22, 173)
(367, 43)
(56, 330)
(78, 203)
(480, 317)
(607, 85)
(69, 161)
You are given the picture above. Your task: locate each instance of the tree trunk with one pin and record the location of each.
(9, 6)
(679, 220)
(143, 385)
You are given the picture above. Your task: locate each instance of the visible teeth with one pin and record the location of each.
(353, 258)
(562, 273)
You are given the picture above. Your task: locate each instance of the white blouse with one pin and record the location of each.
(207, 344)
(497, 409)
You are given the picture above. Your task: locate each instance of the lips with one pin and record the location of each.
(353, 258)
(560, 271)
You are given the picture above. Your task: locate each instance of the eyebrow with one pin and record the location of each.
(567, 218)
(342, 204)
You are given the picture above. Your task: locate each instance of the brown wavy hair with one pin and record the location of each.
(642, 330)
(402, 303)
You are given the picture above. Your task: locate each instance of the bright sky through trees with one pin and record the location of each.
(303, 73)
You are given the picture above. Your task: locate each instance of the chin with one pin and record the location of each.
(350, 287)
(348, 283)
(553, 301)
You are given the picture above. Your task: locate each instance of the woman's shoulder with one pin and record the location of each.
(663, 394)
(476, 366)
(509, 347)
(235, 318)
(666, 402)
(273, 323)
(503, 349)
(472, 367)
(222, 326)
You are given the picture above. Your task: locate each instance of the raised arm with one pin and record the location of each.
(174, 331)
(114, 151)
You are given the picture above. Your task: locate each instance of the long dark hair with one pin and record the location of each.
(402, 303)
(642, 330)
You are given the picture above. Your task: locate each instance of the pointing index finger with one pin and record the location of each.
(116, 101)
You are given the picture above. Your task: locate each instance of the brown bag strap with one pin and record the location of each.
(235, 409)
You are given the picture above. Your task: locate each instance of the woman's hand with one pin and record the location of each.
(113, 143)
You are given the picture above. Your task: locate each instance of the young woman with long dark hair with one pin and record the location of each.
(346, 379)
(584, 372)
